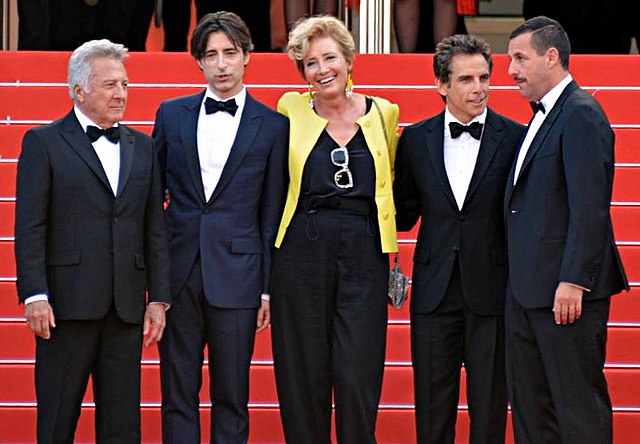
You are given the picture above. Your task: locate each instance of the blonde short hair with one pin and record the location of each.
(319, 26)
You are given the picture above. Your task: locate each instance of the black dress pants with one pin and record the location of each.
(229, 335)
(109, 351)
(441, 341)
(557, 387)
(329, 321)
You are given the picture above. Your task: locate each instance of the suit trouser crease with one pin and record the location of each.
(109, 351)
(442, 341)
(229, 335)
(329, 309)
(557, 387)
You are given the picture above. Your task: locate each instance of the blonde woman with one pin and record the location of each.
(330, 270)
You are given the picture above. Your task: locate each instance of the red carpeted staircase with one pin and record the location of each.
(33, 91)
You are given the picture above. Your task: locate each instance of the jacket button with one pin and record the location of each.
(515, 212)
(379, 153)
(383, 183)
(385, 216)
(461, 218)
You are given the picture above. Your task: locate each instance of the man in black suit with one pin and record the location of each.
(563, 261)
(90, 239)
(451, 170)
(223, 157)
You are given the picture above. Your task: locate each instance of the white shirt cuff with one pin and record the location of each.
(36, 298)
(265, 297)
(166, 306)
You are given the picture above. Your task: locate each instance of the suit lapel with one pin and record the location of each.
(435, 148)
(73, 134)
(548, 122)
(247, 131)
(488, 146)
(188, 135)
(127, 145)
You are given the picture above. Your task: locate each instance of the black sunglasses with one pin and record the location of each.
(340, 158)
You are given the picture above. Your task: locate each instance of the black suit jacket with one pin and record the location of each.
(234, 231)
(557, 214)
(474, 234)
(77, 242)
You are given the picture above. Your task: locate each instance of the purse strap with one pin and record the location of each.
(384, 131)
(384, 127)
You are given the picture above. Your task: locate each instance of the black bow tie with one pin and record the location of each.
(474, 129)
(112, 134)
(537, 106)
(213, 106)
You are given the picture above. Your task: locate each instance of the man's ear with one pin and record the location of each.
(553, 56)
(79, 93)
(442, 88)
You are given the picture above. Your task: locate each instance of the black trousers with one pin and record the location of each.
(229, 335)
(441, 341)
(176, 18)
(557, 386)
(109, 351)
(329, 321)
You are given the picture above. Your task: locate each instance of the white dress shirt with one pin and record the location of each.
(216, 134)
(548, 101)
(460, 156)
(108, 152)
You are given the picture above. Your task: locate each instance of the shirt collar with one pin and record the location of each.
(550, 98)
(241, 97)
(448, 118)
(84, 120)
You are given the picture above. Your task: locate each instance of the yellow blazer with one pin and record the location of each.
(305, 129)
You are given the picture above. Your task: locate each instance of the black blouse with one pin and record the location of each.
(319, 170)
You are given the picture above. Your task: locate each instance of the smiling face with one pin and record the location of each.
(468, 89)
(223, 65)
(105, 99)
(325, 67)
(531, 71)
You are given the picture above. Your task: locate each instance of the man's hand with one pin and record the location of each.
(154, 322)
(567, 306)
(40, 318)
(167, 199)
(264, 316)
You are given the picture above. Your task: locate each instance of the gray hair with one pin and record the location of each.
(80, 63)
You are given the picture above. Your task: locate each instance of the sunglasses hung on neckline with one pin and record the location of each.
(340, 158)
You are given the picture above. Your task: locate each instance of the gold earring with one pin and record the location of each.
(310, 96)
(348, 90)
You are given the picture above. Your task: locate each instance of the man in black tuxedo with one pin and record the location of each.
(223, 157)
(451, 170)
(563, 261)
(90, 239)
